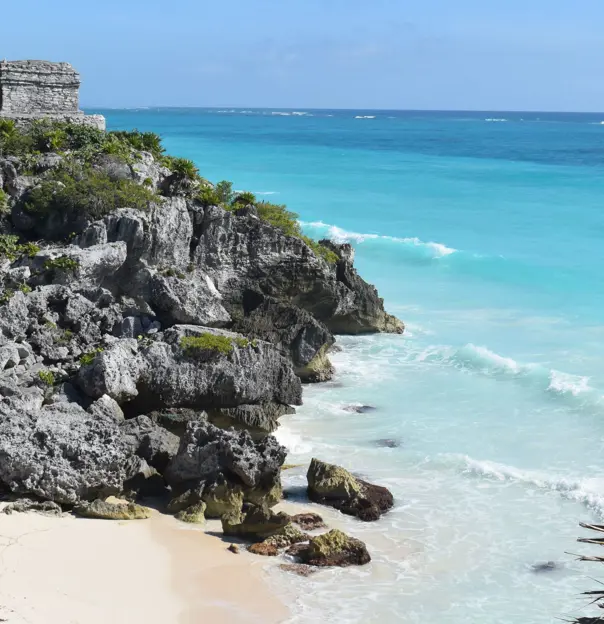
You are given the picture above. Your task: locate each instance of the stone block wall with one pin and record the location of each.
(31, 90)
(31, 87)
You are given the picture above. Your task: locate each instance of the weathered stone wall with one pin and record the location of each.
(29, 87)
(33, 89)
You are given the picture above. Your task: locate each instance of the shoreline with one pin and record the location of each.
(65, 569)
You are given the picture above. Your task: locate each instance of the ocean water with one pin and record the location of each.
(483, 232)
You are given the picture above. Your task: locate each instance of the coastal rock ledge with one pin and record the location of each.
(154, 326)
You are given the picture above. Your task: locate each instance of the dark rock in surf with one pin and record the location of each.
(332, 485)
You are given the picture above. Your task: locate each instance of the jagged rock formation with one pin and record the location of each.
(36, 89)
(332, 485)
(149, 339)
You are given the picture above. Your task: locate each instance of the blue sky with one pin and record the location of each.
(403, 54)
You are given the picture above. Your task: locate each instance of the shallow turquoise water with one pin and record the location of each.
(486, 238)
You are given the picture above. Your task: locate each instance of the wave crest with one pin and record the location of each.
(483, 360)
(589, 492)
(430, 249)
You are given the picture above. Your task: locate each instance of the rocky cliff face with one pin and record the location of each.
(125, 332)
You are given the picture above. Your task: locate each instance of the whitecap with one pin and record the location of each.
(494, 119)
(588, 491)
(365, 117)
(339, 235)
(293, 442)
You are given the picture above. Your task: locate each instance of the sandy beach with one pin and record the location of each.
(73, 571)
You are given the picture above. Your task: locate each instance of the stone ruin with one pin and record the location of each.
(32, 90)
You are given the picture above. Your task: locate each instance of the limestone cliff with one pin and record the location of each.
(143, 313)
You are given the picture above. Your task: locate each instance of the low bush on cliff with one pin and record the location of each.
(84, 192)
(192, 345)
(11, 249)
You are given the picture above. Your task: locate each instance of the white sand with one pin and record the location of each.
(158, 571)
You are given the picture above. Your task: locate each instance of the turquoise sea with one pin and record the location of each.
(484, 232)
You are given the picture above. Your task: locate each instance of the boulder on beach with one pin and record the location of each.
(334, 549)
(193, 514)
(332, 485)
(112, 509)
(256, 523)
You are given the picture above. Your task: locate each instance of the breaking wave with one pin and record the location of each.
(589, 492)
(482, 360)
(429, 250)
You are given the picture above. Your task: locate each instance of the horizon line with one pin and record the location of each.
(310, 108)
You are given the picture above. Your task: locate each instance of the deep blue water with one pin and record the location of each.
(483, 231)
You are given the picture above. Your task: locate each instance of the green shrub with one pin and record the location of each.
(3, 201)
(9, 246)
(62, 263)
(182, 167)
(6, 296)
(86, 192)
(142, 141)
(242, 342)
(25, 288)
(12, 249)
(207, 196)
(327, 254)
(193, 345)
(224, 192)
(47, 377)
(88, 358)
(279, 216)
(173, 273)
(29, 249)
(244, 199)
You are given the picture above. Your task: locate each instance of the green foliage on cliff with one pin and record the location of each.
(182, 167)
(141, 141)
(62, 263)
(3, 201)
(76, 189)
(88, 358)
(192, 345)
(47, 377)
(85, 192)
(11, 248)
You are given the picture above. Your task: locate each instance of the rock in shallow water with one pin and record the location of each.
(388, 443)
(264, 549)
(309, 521)
(298, 568)
(359, 409)
(332, 485)
(334, 549)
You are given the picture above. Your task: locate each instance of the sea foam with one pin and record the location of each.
(337, 234)
(589, 492)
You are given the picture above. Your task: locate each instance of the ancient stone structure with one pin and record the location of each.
(34, 89)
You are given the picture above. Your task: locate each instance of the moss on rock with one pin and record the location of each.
(195, 514)
(223, 499)
(112, 509)
(335, 549)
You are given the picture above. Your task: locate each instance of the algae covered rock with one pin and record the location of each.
(256, 523)
(263, 548)
(309, 521)
(287, 536)
(112, 509)
(195, 514)
(222, 499)
(335, 549)
(332, 485)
